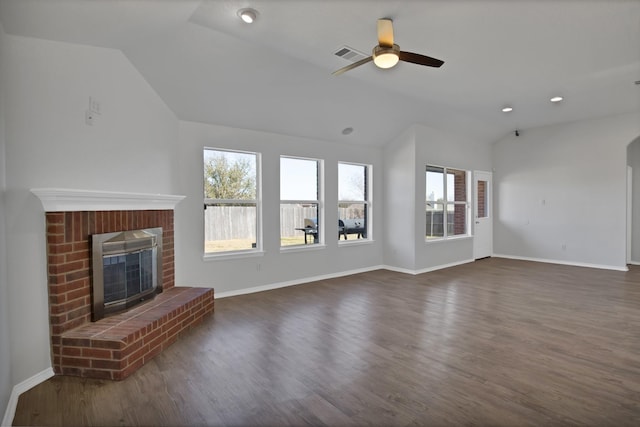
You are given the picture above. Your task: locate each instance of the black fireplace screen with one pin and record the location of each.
(126, 269)
(127, 275)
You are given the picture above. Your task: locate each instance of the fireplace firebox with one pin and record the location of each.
(127, 270)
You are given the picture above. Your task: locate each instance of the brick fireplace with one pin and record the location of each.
(113, 347)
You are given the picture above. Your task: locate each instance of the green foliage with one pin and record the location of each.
(225, 180)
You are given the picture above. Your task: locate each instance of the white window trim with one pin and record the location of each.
(466, 203)
(319, 202)
(368, 204)
(258, 250)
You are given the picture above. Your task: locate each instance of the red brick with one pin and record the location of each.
(66, 267)
(75, 256)
(80, 246)
(55, 229)
(78, 313)
(152, 353)
(67, 370)
(80, 274)
(78, 293)
(115, 345)
(55, 217)
(55, 259)
(138, 354)
(174, 330)
(72, 351)
(129, 349)
(131, 368)
(152, 335)
(60, 248)
(157, 341)
(55, 238)
(97, 353)
(76, 362)
(106, 364)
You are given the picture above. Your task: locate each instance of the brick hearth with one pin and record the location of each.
(115, 346)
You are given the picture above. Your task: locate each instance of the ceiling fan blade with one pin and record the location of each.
(352, 66)
(416, 58)
(385, 32)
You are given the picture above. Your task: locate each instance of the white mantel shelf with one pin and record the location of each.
(68, 200)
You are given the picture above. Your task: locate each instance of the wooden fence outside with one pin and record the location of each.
(239, 222)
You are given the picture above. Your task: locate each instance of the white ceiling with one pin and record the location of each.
(275, 75)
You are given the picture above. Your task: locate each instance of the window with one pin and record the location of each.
(446, 203)
(353, 201)
(300, 204)
(231, 201)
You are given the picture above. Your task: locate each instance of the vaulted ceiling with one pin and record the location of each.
(275, 75)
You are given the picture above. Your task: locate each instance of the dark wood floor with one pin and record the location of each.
(495, 342)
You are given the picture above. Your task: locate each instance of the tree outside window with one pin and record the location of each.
(353, 199)
(231, 201)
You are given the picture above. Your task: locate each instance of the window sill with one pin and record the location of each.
(302, 248)
(448, 239)
(231, 255)
(355, 242)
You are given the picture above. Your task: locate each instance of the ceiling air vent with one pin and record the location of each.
(350, 54)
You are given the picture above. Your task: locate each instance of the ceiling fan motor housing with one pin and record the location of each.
(385, 56)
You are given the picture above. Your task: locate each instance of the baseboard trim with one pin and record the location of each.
(440, 267)
(302, 281)
(398, 269)
(555, 261)
(634, 263)
(426, 270)
(20, 388)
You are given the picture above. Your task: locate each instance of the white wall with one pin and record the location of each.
(275, 266)
(561, 192)
(633, 160)
(405, 160)
(130, 147)
(5, 354)
(399, 201)
(435, 147)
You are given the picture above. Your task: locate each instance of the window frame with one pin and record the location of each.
(257, 202)
(366, 202)
(446, 203)
(319, 202)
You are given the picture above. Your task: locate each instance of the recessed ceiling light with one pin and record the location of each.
(507, 109)
(347, 131)
(248, 15)
(556, 99)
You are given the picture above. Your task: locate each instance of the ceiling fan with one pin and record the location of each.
(387, 54)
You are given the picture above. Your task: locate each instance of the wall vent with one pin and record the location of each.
(350, 54)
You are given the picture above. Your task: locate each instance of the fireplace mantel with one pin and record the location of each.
(68, 200)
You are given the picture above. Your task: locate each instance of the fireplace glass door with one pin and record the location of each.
(127, 269)
(127, 275)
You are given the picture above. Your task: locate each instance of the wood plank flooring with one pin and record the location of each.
(495, 342)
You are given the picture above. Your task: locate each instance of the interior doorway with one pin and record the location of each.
(482, 215)
(633, 203)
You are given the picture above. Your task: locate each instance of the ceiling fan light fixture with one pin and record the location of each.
(248, 15)
(386, 57)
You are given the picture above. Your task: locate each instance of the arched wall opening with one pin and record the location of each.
(633, 202)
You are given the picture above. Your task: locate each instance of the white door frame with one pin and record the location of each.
(629, 212)
(483, 226)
